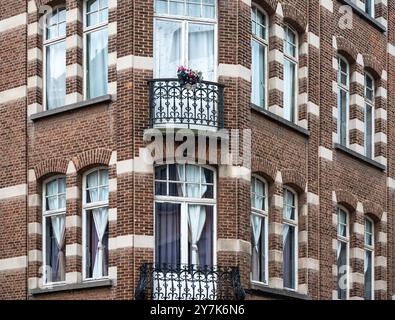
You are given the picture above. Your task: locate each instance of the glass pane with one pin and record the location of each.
(289, 262)
(55, 86)
(176, 172)
(62, 29)
(369, 131)
(62, 201)
(209, 12)
(193, 190)
(289, 90)
(103, 177)
(258, 95)
(209, 192)
(194, 10)
(104, 15)
(342, 270)
(91, 195)
(343, 106)
(62, 185)
(97, 57)
(160, 6)
(92, 5)
(92, 179)
(167, 233)
(161, 173)
(52, 203)
(368, 275)
(176, 8)
(192, 173)
(176, 189)
(103, 3)
(368, 233)
(92, 19)
(208, 176)
(167, 48)
(62, 15)
(54, 243)
(103, 194)
(201, 49)
(51, 188)
(161, 188)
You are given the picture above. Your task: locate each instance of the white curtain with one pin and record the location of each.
(256, 222)
(100, 217)
(167, 48)
(51, 193)
(58, 227)
(97, 63)
(196, 213)
(201, 49)
(258, 74)
(92, 183)
(289, 90)
(55, 75)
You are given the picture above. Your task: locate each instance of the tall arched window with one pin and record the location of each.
(95, 224)
(96, 44)
(290, 239)
(369, 259)
(259, 45)
(343, 247)
(184, 215)
(55, 59)
(343, 81)
(290, 73)
(369, 115)
(54, 218)
(259, 232)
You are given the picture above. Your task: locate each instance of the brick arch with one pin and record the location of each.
(268, 5)
(92, 157)
(294, 17)
(373, 66)
(347, 199)
(373, 210)
(294, 179)
(50, 166)
(347, 49)
(264, 168)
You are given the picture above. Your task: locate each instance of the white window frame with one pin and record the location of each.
(346, 89)
(370, 103)
(86, 31)
(371, 249)
(184, 202)
(185, 21)
(265, 215)
(85, 208)
(295, 61)
(46, 214)
(293, 223)
(264, 42)
(46, 45)
(347, 241)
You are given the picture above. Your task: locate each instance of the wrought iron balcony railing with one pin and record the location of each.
(172, 105)
(188, 282)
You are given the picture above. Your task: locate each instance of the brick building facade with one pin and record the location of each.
(308, 157)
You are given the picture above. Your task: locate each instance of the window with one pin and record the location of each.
(96, 44)
(184, 215)
(369, 116)
(369, 7)
(259, 45)
(55, 59)
(259, 232)
(343, 243)
(95, 224)
(290, 73)
(343, 100)
(54, 217)
(290, 244)
(185, 34)
(369, 259)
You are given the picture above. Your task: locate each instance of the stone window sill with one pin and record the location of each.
(360, 157)
(260, 289)
(281, 120)
(73, 286)
(364, 15)
(70, 107)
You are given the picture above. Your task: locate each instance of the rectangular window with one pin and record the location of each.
(55, 59)
(369, 259)
(290, 240)
(259, 251)
(54, 219)
(96, 39)
(369, 7)
(369, 116)
(342, 254)
(95, 225)
(343, 101)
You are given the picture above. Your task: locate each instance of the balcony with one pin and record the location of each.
(173, 106)
(188, 282)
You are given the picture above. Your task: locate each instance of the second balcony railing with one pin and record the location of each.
(172, 105)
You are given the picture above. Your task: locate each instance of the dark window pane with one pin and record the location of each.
(161, 173)
(160, 188)
(176, 189)
(289, 263)
(342, 270)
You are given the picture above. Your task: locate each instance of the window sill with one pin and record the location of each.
(364, 15)
(260, 289)
(358, 156)
(70, 107)
(281, 120)
(73, 286)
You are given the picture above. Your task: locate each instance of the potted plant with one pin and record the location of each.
(189, 78)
